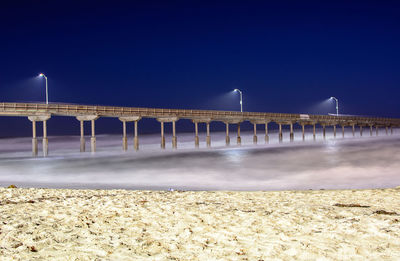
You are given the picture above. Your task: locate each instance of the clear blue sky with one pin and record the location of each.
(286, 56)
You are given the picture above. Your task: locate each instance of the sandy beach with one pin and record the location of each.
(61, 224)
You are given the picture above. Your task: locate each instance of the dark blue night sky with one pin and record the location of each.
(286, 56)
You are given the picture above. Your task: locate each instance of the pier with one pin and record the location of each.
(41, 113)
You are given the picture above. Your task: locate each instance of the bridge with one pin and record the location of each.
(36, 112)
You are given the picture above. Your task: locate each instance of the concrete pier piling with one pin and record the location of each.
(386, 128)
(162, 136)
(34, 140)
(377, 130)
(342, 131)
(208, 137)
(135, 136)
(361, 130)
(314, 137)
(334, 131)
(353, 129)
(291, 132)
(196, 136)
(227, 138)
(370, 130)
(324, 131)
(280, 133)
(174, 139)
(255, 133)
(82, 147)
(93, 138)
(303, 132)
(45, 140)
(239, 139)
(266, 133)
(124, 137)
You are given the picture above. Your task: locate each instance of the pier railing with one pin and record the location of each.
(27, 109)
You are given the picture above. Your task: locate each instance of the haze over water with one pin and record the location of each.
(350, 163)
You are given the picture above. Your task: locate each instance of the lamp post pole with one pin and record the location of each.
(241, 99)
(47, 90)
(337, 105)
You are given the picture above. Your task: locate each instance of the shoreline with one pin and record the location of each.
(199, 225)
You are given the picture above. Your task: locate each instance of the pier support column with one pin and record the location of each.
(174, 139)
(162, 136)
(135, 120)
(266, 133)
(342, 131)
(361, 131)
(334, 131)
(82, 119)
(82, 136)
(196, 136)
(34, 140)
(136, 137)
(255, 133)
(387, 133)
(124, 137)
(93, 138)
(280, 133)
(314, 132)
(370, 130)
(208, 137)
(324, 131)
(45, 141)
(391, 130)
(196, 122)
(291, 132)
(227, 138)
(353, 129)
(239, 139)
(303, 132)
(377, 130)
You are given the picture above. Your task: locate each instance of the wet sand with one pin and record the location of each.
(64, 224)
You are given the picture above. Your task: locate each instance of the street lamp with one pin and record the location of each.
(337, 105)
(241, 99)
(47, 92)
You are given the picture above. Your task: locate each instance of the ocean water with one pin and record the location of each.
(334, 163)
